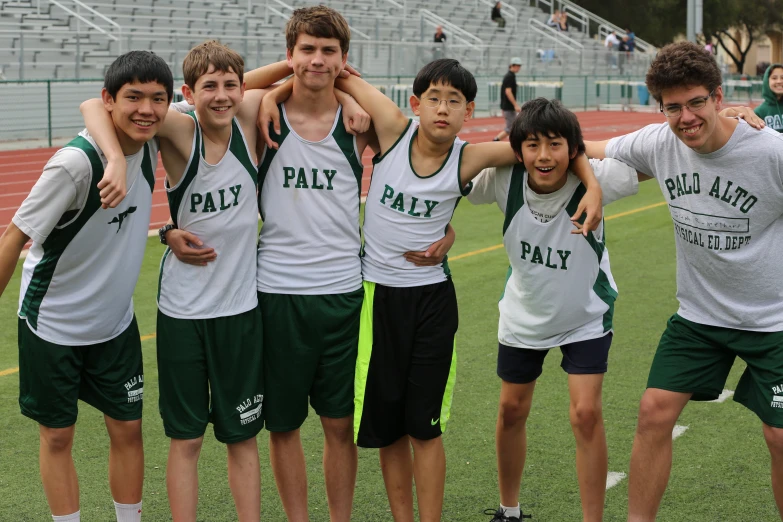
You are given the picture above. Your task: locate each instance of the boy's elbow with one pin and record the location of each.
(92, 102)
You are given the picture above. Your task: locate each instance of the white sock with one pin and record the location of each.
(73, 517)
(128, 512)
(511, 511)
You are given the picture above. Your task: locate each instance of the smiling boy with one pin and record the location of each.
(559, 292)
(209, 333)
(78, 337)
(723, 182)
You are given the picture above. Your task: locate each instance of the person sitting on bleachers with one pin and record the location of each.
(497, 17)
(554, 20)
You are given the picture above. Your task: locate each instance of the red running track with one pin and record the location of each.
(19, 169)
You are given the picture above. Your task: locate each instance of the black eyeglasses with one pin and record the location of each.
(694, 105)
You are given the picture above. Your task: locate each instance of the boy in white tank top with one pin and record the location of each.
(209, 332)
(559, 292)
(78, 338)
(420, 174)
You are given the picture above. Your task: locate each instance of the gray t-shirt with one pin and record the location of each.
(727, 208)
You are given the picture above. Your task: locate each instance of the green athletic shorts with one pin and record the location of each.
(310, 346)
(210, 371)
(696, 358)
(53, 377)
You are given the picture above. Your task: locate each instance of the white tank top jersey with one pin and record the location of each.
(559, 288)
(77, 286)
(217, 204)
(407, 212)
(309, 201)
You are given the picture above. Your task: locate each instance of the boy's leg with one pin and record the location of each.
(182, 478)
(586, 362)
(340, 462)
(651, 456)
(244, 479)
(288, 465)
(591, 454)
(759, 390)
(430, 388)
(397, 468)
(511, 438)
(49, 382)
(691, 361)
(126, 460)
(332, 395)
(58, 473)
(429, 472)
(184, 407)
(774, 438)
(291, 356)
(518, 369)
(234, 353)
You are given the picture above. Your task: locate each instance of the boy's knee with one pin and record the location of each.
(774, 438)
(338, 430)
(125, 433)
(656, 415)
(585, 418)
(57, 440)
(187, 448)
(513, 412)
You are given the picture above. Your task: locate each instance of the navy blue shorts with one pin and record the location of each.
(524, 365)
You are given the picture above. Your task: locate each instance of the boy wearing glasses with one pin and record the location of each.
(405, 370)
(724, 185)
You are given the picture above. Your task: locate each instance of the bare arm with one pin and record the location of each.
(434, 255)
(269, 112)
(479, 156)
(596, 149)
(11, 243)
(591, 203)
(355, 119)
(176, 128)
(113, 185)
(510, 95)
(265, 76)
(388, 120)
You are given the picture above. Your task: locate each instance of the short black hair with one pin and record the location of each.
(546, 118)
(138, 66)
(446, 71)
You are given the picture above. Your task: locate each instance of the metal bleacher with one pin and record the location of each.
(47, 39)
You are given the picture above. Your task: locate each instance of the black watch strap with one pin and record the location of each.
(162, 232)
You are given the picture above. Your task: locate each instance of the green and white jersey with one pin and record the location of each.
(309, 201)
(217, 204)
(727, 208)
(79, 276)
(407, 212)
(559, 288)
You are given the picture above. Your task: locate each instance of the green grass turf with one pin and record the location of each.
(721, 466)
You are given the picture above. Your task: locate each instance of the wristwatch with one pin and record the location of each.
(162, 232)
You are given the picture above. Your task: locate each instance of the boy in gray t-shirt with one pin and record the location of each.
(723, 182)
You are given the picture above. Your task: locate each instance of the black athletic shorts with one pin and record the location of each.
(524, 365)
(406, 367)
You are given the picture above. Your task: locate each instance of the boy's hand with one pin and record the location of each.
(355, 119)
(113, 184)
(744, 113)
(348, 70)
(591, 204)
(269, 113)
(188, 248)
(434, 255)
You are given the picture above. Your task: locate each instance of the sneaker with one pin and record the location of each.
(500, 516)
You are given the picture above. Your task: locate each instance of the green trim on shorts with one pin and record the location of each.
(363, 356)
(448, 393)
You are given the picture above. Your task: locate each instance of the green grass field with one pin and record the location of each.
(721, 465)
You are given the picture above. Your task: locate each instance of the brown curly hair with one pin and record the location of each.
(682, 64)
(319, 21)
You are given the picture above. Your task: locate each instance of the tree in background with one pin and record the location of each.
(725, 20)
